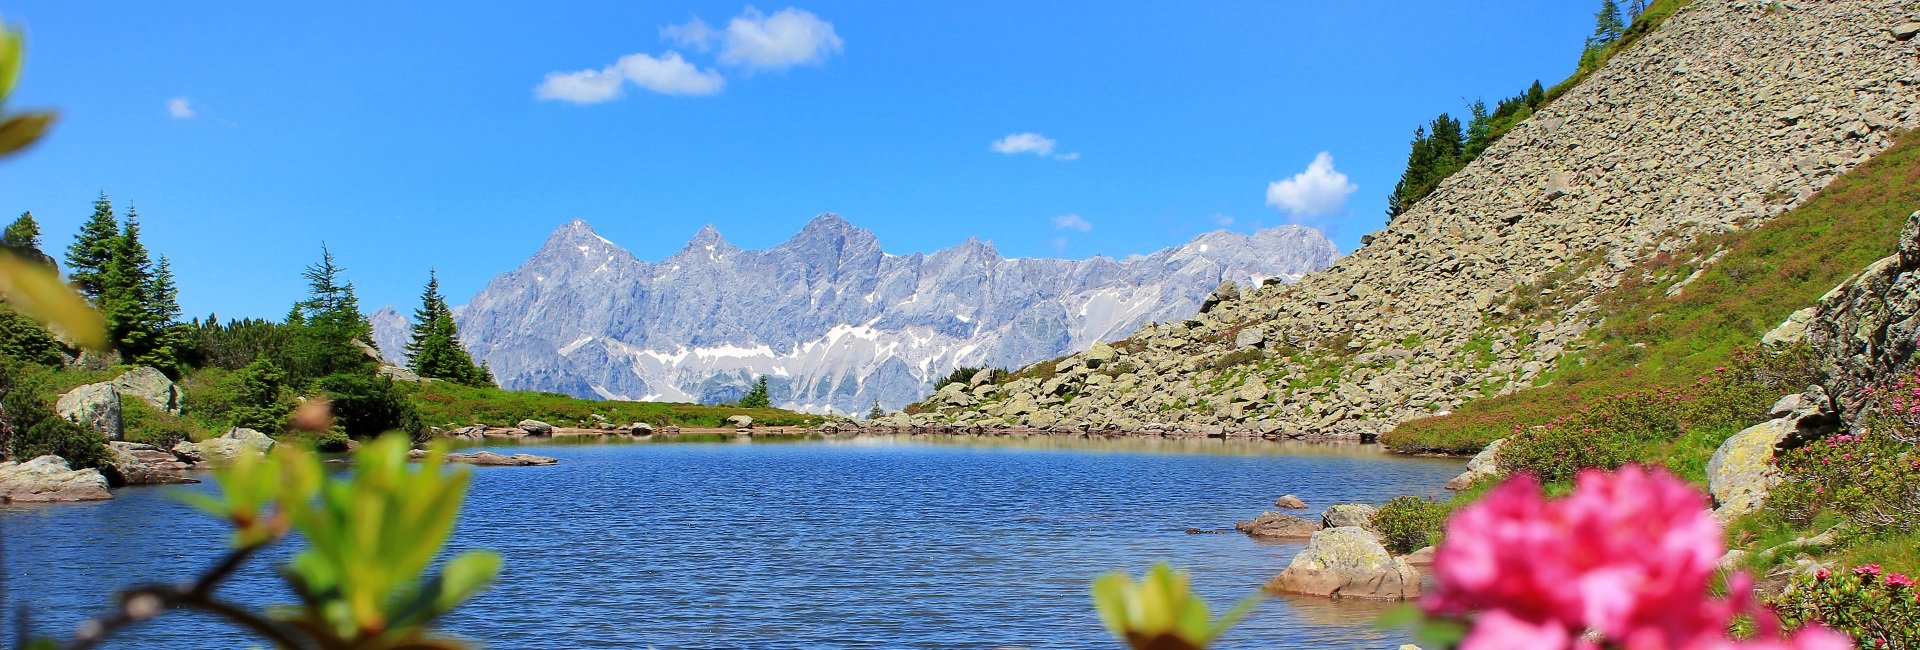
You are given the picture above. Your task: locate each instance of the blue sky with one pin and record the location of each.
(457, 136)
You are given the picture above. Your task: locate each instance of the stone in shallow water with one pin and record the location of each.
(1347, 562)
(49, 479)
(1274, 525)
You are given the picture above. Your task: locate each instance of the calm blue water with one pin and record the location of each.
(847, 544)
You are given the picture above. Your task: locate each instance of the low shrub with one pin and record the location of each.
(1239, 357)
(1555, 452)
(1409, 523)
(1871, 479)
(140, 422)
(80, 446)
(366, 406)
(1880, 609)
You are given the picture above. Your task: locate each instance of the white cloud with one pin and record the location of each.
(180, 108)
(1060, 246)
(1320, 190)
(582, 87)
(1033, 143)
(787, 38)
(668, 74)
(1071, 222)
(1223, 221)
(694, 34)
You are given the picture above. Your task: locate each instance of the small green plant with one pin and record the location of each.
(1409, 523)
(1880, 609)
(1870, 479)
(362, 579)
(1160, 611)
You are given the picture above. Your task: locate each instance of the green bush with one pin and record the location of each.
(1555, 452)
(1871, 479)
(142, 423)
(367, 406)
(1880, 609)
(1409, 523)
(82, 447)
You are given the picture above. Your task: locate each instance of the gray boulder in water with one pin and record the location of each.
(1347, 562)
(49, 479)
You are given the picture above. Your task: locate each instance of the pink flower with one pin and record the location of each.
(1629, 556)
(1867, 570)
(1899, 580)
(1822, 573)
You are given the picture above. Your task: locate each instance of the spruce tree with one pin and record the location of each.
(1479, 130)
(22, 238)
(1607, 25)
(756, 396)
(1536, 96)
(163, 310)
(125, 286)
(327, 324)
(434, 350)
(88, 256)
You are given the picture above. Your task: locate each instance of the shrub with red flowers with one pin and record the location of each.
(1880, 608)
(1625, 561)
(1604, 436)
(1871, 479)
(1900, 408)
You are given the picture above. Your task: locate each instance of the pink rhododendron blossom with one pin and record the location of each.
(1899, 580)
(1628, 556)
(1867, 570)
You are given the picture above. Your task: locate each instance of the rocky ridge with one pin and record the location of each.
(1731, 113)
(831, 318)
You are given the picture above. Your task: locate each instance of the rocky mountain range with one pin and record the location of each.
(834, 321)
(1729, 114)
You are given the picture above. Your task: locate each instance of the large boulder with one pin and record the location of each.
(50, 479)
(152, 387)
(1347, 562)
(1740, 473)
(94, 406)
(740, 421)
(535, 428)
(1483, 465)
(1290, 502)
(1274, 525)
(236, 442)
(1348, 515)
(132, 463)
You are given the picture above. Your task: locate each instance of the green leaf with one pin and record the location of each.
(465, 576)
(21, 130)
(38, 292)
(12, 54)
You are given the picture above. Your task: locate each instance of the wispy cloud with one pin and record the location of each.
(1071, 222)
(787, 38)
(180, 108)
(1223, 221)
(750, 41)
(1031, 143)
(1318, 191)
(668, 74)
(694, 34)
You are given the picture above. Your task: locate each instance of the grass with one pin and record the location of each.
(1648, 339)
(445, 403)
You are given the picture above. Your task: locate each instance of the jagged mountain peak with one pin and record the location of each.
(832, 319)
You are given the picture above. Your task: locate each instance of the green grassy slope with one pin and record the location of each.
(1650, 339)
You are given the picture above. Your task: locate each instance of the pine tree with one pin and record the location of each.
(434, 350)
(1607, 25)
(22, 238)
(125, 295)
(163, 310)
(327, 325)
(1479, 130)
(88, 256)
(1634, 9)
(1536, 96)
(756, 396)
(876, 412)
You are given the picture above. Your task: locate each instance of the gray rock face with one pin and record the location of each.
(1347, 562)
(139, 464)
(1740, 473)
(1867, 329)
(233, 444)
(95, 406)
(835, 321)
(1678, 134)
(1273, 525)
(50, 479)
(1483, 465)
(152, 387)
(1348, 514)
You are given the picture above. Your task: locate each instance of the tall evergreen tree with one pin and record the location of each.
(88, 256)
(126, 295)
(22, 238)
(757, 396)
(1479, 130)
(1607, 25)
(327, 324)
(434, 350)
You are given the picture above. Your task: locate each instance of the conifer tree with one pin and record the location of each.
(22, 238)
(125, 295)
(88, 256)
(328, 323)
(1607, 25)
(1479, 130)
(434, 350)
(1536, 96)
(757, 396)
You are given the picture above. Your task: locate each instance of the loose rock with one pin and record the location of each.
(1347, 562)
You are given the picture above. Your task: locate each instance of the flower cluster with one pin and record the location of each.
(1625, 561)
(1879, 607)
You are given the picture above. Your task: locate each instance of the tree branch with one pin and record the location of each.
(144, 602)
